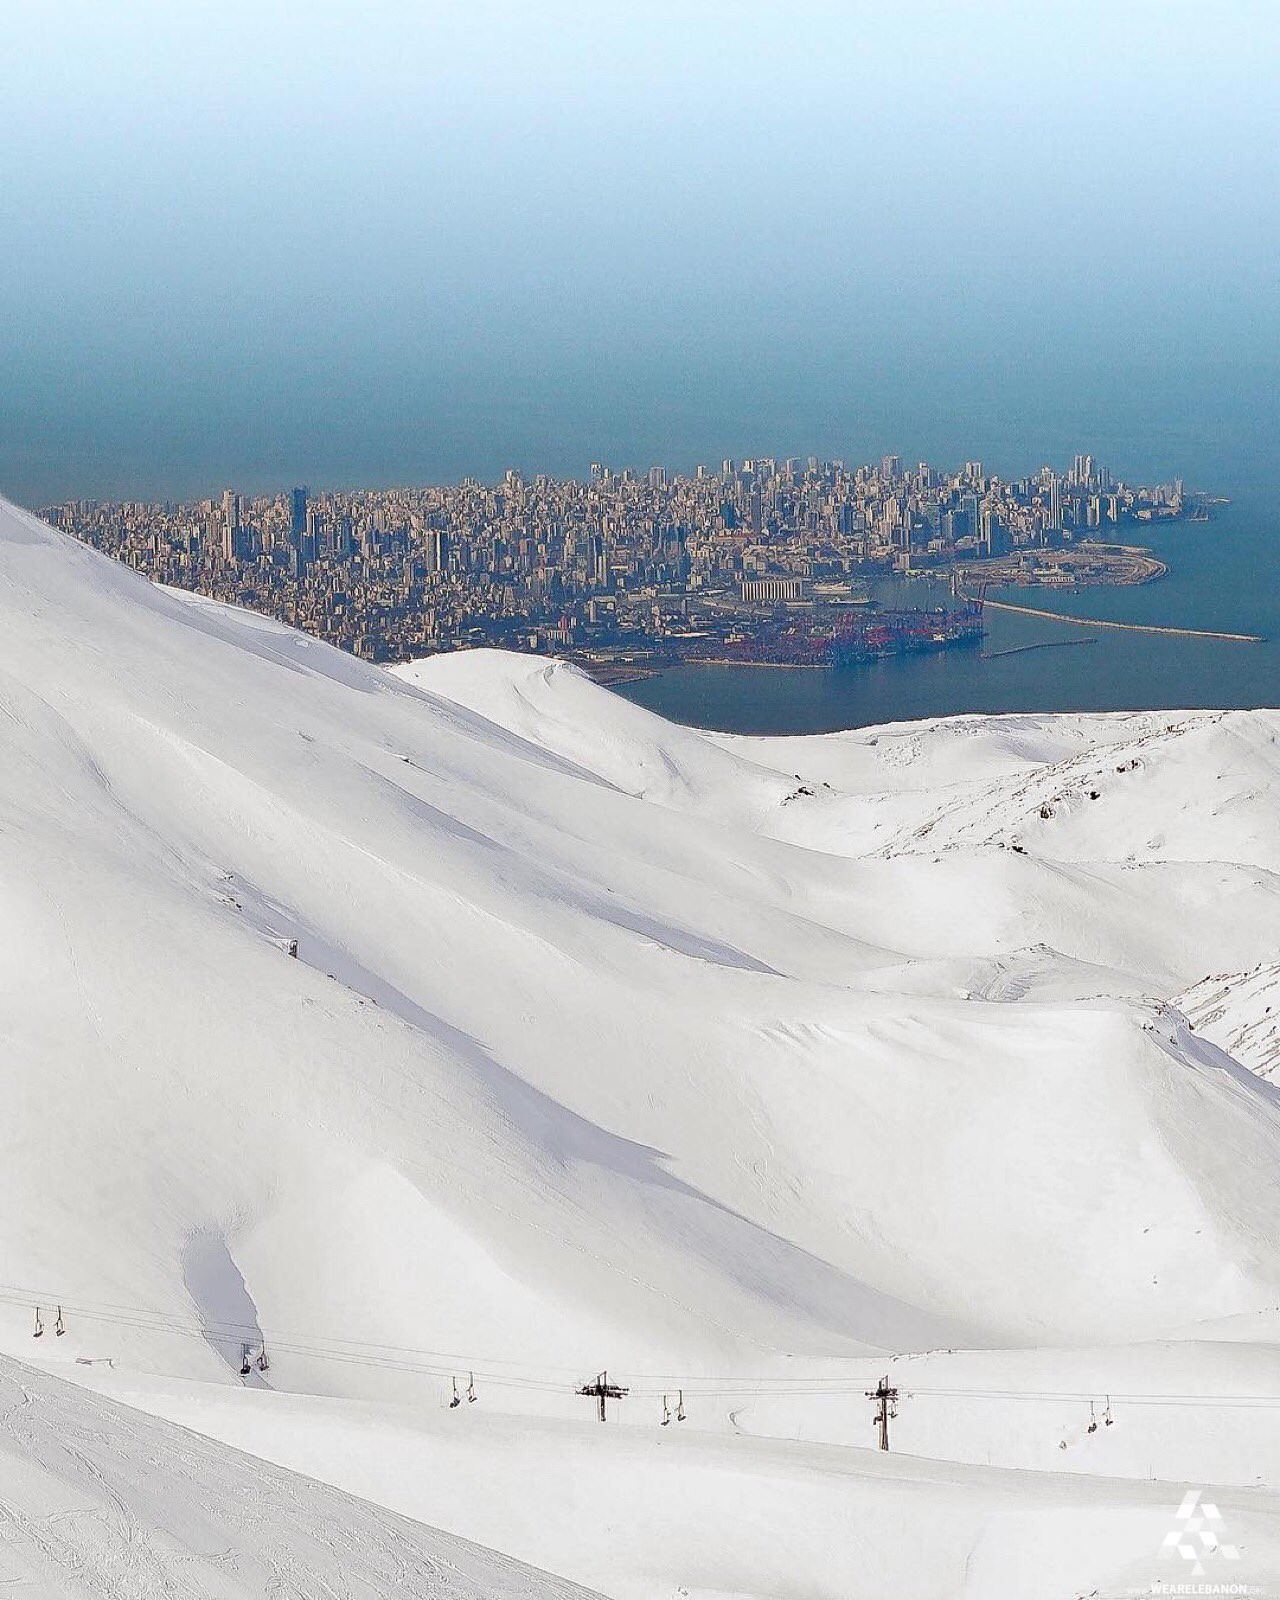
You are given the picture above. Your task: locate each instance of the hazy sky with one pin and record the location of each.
(339, 243)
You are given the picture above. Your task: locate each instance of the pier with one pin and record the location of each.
(1125, 627)
(1040, 644)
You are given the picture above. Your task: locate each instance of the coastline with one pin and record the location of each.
(1107, 566)
(1086, 565)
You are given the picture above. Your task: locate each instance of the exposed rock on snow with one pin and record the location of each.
(1239, 1012)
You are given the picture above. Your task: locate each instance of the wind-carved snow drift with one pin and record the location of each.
(612, 1043)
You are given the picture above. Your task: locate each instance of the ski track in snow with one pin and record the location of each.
(97, 1500)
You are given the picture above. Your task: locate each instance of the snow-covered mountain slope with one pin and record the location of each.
(732, 1066)
(1240, 1012)
(654, 1514)
(98, 1500)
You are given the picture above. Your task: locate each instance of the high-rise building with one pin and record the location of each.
(231, 519)
(297, 513)
(437, 550)
(308, 543)
(1082, 472)
(992, 533)
(599, 561)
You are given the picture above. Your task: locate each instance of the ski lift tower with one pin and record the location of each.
(602, 1390)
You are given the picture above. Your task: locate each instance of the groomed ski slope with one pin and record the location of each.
(741, 1067)
(99, 1501)
(638, 1512)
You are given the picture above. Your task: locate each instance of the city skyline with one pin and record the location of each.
(629, 567)
(637, 468)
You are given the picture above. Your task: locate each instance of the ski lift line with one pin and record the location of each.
(350, 1358)
(763, 1391)
(142, 1316)
(760, 1391)
(158, 1321)
(228, 1332)
(1082, 1396)
(448, 1361)
(1259, 1402)
(15, 1294)
(155, 1322)
(388, 1358)
(1076, 1394)
(311, 1352)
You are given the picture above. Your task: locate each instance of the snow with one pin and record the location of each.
(639, 1512)
(99, 1500)
(1240, 1012)
(752, 1068)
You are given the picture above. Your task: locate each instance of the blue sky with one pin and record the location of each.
(360, 243)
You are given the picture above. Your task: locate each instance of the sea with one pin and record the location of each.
(1224, 576)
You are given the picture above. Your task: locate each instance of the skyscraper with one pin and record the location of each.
(230, 525)
(297, 513)
(599, 561)
(1055, 501)
(1082, 472)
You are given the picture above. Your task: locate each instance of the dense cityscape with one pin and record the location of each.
(760, 560)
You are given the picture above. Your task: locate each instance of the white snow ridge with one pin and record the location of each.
(751, 1071)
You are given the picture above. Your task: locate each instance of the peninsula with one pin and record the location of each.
(761, 560)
